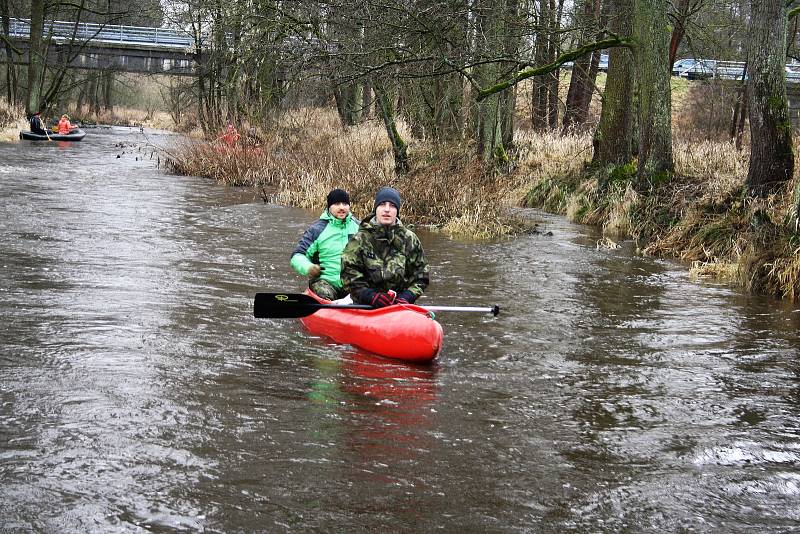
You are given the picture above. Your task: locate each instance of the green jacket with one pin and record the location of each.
(322, 243)
(383, 258)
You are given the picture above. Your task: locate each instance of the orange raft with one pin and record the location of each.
(402, 331)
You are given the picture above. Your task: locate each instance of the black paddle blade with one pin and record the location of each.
(283, 305)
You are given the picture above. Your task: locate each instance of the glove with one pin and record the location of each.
(314, 271)
(379, 300)
(405, 297)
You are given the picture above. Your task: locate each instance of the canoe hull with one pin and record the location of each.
(403, 332)
(75, 135)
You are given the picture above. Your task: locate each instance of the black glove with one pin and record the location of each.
(379, 299)
(405, 297)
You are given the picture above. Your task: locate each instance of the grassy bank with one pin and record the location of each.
(702, 215)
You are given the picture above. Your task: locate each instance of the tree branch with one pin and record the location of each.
(560, 60)
(9, 44)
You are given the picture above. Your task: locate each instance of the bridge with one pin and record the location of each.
(85, 45)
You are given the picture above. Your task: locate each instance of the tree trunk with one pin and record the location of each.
(544, 97)
(678, 30)
(385, 105)
(739, 110)
(448, 107)
(655, 122)
(771, 155)
(108, 91)
(552, 53)
(489, 21)
(94, 106)
(584, 72)
(11, 69)
(433, 106)
(742, 114)
(36, 62)
(367, 101)
(348, 102)
(614, 138)
(508, 98)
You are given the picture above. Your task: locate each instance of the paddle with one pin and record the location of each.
(293, 305)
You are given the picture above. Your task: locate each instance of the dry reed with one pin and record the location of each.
(307, 153)
(702, 215)
(12, 120)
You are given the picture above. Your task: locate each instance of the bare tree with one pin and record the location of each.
(771, 154)
(584, 69)
(653, 76)
(614, 138)
(36, 58)
(12, 84)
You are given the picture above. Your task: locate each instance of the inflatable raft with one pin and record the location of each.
(74, 135)
(402, 331)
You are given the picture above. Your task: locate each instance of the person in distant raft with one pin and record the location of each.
(63, 125)
(230, 136)
(384, 264)
(36, 123)
(319, 252)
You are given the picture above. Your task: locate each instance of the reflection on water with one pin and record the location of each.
(394, 420)
(138, 393)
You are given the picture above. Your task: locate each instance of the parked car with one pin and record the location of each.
(730, 70)
(700, 69)
(603, 65)
(682, 65)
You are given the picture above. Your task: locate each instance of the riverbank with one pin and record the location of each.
(309, 153)
(12, 120)
(700, 216)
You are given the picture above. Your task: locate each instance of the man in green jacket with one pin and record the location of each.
(384, 263)
(319, 252)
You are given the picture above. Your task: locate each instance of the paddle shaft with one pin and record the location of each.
(494, 310)
(288, 305)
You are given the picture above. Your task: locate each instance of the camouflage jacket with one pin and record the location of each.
(383, 258)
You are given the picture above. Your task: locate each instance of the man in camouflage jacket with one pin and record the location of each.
(384, 263)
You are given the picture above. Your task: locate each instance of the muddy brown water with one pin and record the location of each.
(138, 394)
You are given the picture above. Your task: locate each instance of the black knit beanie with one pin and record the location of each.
(338, 195)
(387, 194)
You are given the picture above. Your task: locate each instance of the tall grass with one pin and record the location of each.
(308, 153)
(12, 120)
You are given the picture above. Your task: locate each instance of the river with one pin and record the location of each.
(138, 393)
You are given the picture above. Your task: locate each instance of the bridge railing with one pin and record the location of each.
(111, 33)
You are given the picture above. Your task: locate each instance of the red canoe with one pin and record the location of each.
(403, 331)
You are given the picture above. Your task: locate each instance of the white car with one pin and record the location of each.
(682, 65)
(694, 69)
(603, 65)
